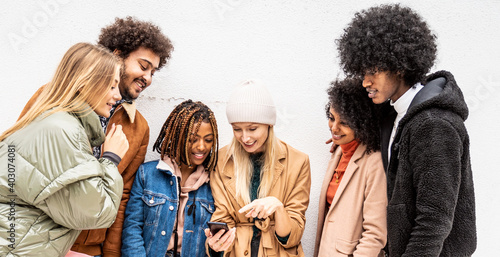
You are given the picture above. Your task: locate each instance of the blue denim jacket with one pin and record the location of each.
(151, 213)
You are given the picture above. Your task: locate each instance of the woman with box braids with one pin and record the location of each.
(171, 199)
(174, 132)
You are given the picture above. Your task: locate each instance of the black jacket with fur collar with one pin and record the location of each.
(431, 209)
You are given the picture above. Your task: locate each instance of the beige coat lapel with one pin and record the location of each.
(332, 164)
(279, 166)
(352, 167)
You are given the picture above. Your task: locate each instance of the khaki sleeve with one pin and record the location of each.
(297, 201)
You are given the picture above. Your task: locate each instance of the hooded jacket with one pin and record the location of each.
(291, 185)
(431, 209)
(136, 128)
(58, 188)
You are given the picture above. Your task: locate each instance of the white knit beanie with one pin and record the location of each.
(250, 101)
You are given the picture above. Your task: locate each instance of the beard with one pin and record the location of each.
(124, 87)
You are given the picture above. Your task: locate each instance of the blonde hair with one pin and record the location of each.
(243, 167)
(82, 79)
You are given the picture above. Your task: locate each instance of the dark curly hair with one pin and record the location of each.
(127, 35)
(350, 101)
(183, 122)
(388, 38)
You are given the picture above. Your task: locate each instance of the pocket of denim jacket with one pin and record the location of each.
(207, 209)
(153, 205)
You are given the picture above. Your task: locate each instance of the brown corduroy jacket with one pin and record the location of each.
(136, 129)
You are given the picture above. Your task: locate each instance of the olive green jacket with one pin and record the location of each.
(51, 186)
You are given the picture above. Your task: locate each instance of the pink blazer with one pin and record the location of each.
(355, 224)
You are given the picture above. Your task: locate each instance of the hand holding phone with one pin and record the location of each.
(218, 241)
(216, 226)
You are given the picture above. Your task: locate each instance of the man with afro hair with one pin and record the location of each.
(144, 50)
(424, 142)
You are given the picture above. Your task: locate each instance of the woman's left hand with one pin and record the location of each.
(222, 240)
(262, 208)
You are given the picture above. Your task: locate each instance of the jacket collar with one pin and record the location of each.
(92, 125)
(168, 168)
(403, 103)
(440, 91)
(192, 182)
(432, 89)
(130, 109)
(352, 167)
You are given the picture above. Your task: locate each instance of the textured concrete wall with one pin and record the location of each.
(289, 44)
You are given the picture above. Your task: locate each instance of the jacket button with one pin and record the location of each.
(151, 201)
(163, 233)
(246, 252)
(171, 208)
(171, 182)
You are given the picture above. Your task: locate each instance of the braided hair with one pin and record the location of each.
(182, 124)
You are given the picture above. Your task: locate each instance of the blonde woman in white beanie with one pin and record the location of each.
(261, 184)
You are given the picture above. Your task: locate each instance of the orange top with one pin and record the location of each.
(347, 152)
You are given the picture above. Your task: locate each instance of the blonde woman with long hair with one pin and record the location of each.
(51, 186)
(261, 184)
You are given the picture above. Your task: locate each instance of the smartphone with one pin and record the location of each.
(216, 226)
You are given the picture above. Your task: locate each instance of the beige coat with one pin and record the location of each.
(291, 186)
(355, 224)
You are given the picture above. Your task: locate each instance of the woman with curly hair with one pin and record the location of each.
(352, 207)
(424, 142)
(171, 200)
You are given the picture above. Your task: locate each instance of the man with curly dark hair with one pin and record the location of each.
(424, 142)
(144, 50)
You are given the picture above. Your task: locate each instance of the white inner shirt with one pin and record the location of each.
(401, 106)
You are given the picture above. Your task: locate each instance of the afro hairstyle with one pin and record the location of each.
(127, 35)
(388, 38)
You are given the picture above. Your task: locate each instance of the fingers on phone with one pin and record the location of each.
(207, 233)
(225, 241)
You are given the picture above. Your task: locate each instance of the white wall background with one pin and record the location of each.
(289, 44)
